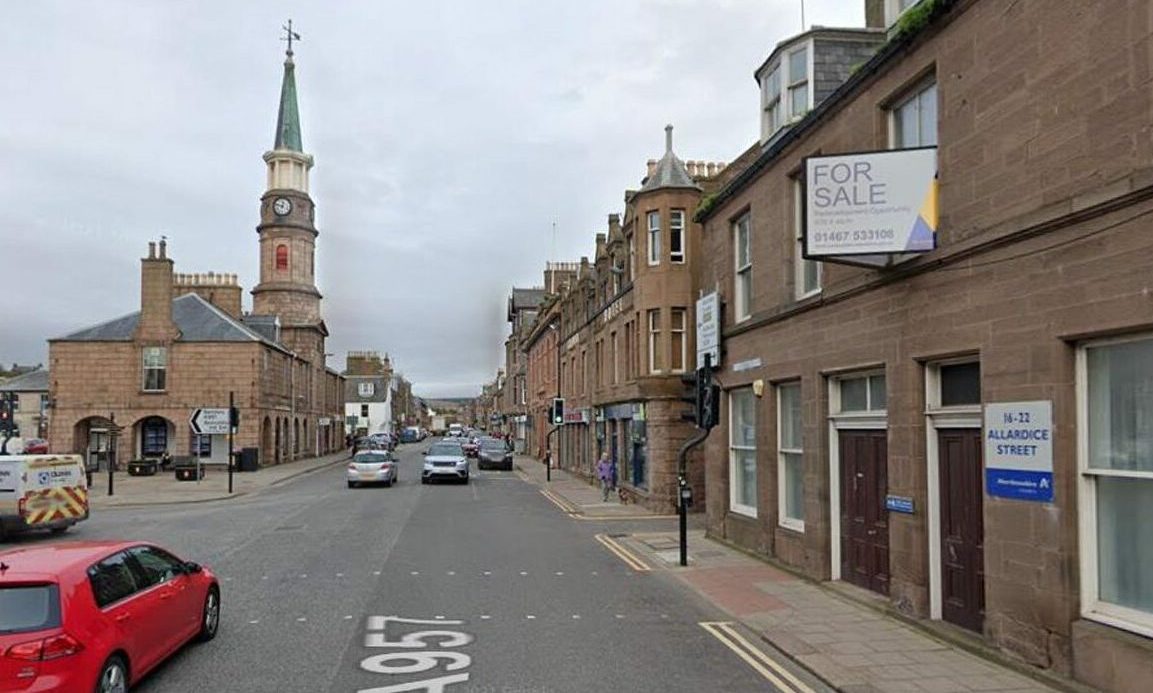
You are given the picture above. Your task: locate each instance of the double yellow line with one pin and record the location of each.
(564, 504)
(631, 559)
(765, 665)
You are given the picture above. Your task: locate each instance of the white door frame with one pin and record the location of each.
(938, 417)
(855, 421)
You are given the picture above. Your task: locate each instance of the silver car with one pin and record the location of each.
(372, 467)
(445, 460)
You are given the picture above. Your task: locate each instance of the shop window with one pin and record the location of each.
(1116, 489)
(201, 445)
(790, 458)
(154, 437)
(743, 452)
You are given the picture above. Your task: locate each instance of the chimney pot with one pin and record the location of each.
(151, 250)
(669, 138)
(163, 249)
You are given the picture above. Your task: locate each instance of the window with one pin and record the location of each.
(863, 394)
(112, 580)
(656, 363)
(654, 238)
(677, 235)
(366, 389)
(632, 257)
(155, 368)
(914, 120)
(281, 257)
(156, 566)
(25, 608)
(201, 445)
(153, 437)
(808, 272)
(799, 83)
(771, 97)
(364, 411)
(677, 335)
(1116, 489)
(960, 384)
(616, 359)
(743, 281)
(790, 458)
(743, 452)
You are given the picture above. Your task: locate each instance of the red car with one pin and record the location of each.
(36, 446)
(83, 616)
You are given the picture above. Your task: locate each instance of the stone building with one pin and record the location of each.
(868, 397)
(522, 311)
(189, 345)
(29, 393)
(625, 328)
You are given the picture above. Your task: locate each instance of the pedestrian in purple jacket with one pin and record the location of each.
(606, 473)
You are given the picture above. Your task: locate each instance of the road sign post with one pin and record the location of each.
(233, 420)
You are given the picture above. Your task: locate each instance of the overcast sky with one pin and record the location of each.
(449, 136)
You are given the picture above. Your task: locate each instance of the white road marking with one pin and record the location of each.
(560, 572)
(348, 617)
(620, 615)
(254, 622)
(263, 577)
(576, 616)
(452, 572)
(228, 579)
(415, 572)
(340, 575)
(439, 618)
(302, 619)
(488, 572)
(485, 617)
(530, 617)
(595, 573)
(376, 572)
(304, 575)
(523, 573)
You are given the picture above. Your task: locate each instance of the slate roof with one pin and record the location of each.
(195, 318)
(670, 171)
(33, 381)
(526, 298)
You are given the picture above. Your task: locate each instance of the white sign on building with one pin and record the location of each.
(709, 329)
(871, 203)
(1019, 450)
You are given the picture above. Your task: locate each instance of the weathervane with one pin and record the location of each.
(290, 37)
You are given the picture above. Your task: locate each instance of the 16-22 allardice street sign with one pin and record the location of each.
(870, 203)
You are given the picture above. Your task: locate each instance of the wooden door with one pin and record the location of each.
(962, 528)
(864, 519)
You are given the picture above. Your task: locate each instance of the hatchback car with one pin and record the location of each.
(35, 446)
(372, 467)
(445, 461)
(83, 616)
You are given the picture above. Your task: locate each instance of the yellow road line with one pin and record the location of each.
(624, 554)
(607, 518)
(765, 665)
(559, 502)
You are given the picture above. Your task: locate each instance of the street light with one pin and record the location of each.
(556, 426)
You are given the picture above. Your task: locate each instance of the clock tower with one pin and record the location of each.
(287, 231)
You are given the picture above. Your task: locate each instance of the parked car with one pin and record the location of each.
(494, 454)
(372, 467)
(445, 461)
(35, 446)
(83, 616)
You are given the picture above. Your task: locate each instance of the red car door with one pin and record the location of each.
(172, 617)
(125, 608)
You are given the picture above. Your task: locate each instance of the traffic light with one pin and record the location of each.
(5, 412)
(234, 417)
(691, 395)
(558, 411)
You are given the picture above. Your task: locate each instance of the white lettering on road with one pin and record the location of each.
(416, 655)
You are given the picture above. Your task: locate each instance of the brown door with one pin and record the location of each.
(864, 519)
(962, 528)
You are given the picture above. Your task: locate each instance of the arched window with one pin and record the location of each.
(282, 257)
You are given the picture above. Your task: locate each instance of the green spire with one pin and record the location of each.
(288, 119)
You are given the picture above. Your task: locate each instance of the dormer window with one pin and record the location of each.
(771, 95)
(799, 83)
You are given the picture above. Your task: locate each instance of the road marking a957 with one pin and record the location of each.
(416, 653)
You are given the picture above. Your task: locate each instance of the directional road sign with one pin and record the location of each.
(210, 421)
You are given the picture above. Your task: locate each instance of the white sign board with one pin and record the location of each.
(209, 421)
(709, 329)
(871, 203)
(1019, 450)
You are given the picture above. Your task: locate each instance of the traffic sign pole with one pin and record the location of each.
(231, 431)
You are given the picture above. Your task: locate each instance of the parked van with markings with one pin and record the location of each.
(42, 492)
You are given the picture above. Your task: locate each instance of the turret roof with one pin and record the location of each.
(670, 171)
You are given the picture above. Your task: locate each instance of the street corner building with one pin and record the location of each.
(190, 345)
(937, 326)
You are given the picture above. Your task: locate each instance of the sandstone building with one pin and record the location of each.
(190, 345)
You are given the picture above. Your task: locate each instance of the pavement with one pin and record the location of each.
(164, 489)
(847, 643)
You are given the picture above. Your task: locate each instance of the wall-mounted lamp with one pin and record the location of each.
(758, 387)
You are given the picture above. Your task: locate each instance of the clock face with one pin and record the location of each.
(282, 206)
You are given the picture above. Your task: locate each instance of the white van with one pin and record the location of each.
(42, 492)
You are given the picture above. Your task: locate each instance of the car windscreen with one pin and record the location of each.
(371, 458)
(444, 451)
(29, 607)
(494, 445)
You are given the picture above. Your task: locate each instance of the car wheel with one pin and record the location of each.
(57, 531)
(388, 484)
(210, 617)
(352, 484)
(113, 676)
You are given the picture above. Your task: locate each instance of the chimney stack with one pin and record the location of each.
(156, 293)
(875, 14)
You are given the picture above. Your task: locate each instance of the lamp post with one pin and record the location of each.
(555, 327)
